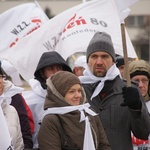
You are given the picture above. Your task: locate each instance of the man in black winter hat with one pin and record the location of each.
(120, 108)
(120, 64)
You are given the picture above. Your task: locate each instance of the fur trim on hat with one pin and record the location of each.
(140, 73)
(139, 67)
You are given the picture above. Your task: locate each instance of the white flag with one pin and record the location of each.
(18, 22)
(124, 4)
(68, 33)
(81, 28)
(12, 72)
(123, 8)
(5, 140)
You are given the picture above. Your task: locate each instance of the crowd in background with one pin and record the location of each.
(87, 107)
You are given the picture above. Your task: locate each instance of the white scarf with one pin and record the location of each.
(11, 91)
(88, 138)
(90, 78)
(2, 99)
(37, 88)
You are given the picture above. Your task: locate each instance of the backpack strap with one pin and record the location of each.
(64, 139)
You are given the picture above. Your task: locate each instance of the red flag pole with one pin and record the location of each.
(127, 76)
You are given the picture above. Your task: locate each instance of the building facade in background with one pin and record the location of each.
(138, 26)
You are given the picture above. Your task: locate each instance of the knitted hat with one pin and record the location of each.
(101, 41)
(63, 80)
(119, 61)
(139, 67)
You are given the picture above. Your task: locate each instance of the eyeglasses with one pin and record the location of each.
(144, 81)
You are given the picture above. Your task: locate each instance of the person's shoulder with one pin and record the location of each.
(11, 111)
(90, 84)
(51, 117)
(17, 96)
(17, 99)
(50, 120)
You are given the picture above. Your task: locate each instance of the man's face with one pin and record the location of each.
(48, 71)
(143, 83)
(99, 63)
(121, 69)
(78, 71)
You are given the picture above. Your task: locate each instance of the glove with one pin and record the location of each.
(131, 98)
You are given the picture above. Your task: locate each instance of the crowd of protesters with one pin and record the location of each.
(89, 107)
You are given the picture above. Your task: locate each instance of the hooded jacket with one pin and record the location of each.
(49, 136)
(140, 67)
(13, 97)
(118, 121)
(48, 59)
(10, 114)
(13, 124)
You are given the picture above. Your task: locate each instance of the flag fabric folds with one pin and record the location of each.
(67, 33)
(18, 22)
(123, 8)
(124, 4)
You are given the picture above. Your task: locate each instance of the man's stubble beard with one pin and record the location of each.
(99, 74)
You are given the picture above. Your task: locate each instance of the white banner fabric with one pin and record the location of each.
(67, 33)
(18, 22)
(124, 4)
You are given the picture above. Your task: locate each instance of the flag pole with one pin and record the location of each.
(127, 76)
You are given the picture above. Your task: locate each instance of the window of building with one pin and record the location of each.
(136, 21)
(145, 52)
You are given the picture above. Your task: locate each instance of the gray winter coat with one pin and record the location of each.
(119, 121)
